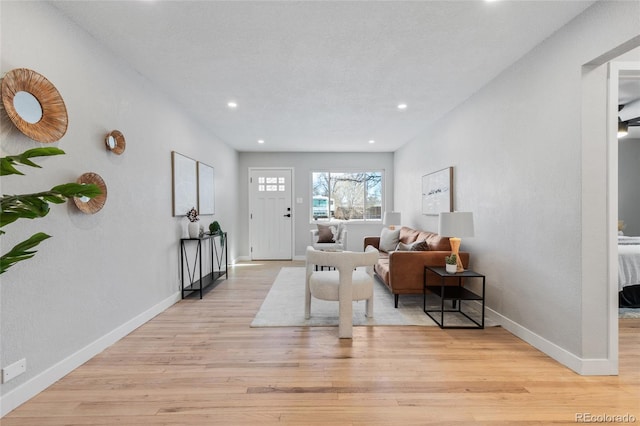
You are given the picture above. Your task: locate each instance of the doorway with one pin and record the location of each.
(270, 214)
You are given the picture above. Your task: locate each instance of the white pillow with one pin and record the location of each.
(389, 239)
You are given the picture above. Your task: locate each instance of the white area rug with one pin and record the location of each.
(284, 306)
(628, 313)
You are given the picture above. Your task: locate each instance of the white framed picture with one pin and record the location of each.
(437, 192)
(206, 192)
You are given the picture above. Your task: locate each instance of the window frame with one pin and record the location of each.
(343, 170)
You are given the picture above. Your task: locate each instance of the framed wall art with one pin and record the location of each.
(206, 198)
(437, 192)
(184, 184)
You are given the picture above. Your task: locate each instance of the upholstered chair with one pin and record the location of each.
(345, 284)
(333, 239)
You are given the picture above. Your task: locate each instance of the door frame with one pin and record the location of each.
(293, 207)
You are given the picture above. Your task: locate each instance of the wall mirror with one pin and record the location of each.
(27, 107)
(34, 105)
(95, 204)
(115, 142)
(184, 183)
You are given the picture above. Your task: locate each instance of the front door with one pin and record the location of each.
(270, 214)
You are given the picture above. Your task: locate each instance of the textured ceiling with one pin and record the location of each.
(319, 76)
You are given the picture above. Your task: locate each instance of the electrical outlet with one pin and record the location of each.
(12, 371)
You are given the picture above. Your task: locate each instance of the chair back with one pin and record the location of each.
(342, 260)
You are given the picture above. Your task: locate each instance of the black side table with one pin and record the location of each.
(453, 293)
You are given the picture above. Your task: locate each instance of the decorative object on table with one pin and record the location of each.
(451, 263)
(391, 219)
(206, 196)
(621, 227)
(215, 229)
(34, 105)
(194, 226)
(91, 205)
(437, 192)
(31, 206)
(455, 225)
(184, 183)
(115, 142)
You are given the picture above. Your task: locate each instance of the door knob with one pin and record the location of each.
(287, 215)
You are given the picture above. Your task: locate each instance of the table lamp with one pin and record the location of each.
(455, 225)
(391, 219)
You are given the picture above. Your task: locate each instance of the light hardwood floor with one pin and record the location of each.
(199, 363)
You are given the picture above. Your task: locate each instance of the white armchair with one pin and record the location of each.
(345, 284)
(340, 241)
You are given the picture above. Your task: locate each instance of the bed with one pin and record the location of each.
(629, 271)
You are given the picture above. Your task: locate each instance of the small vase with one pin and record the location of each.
(451, 269)
(194, 230)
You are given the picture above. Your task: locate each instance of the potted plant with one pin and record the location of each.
(194, 228)
(451, 263)
(215, 229)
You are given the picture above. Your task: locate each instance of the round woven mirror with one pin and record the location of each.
(34, 105)
(115, 142)
(93, 205)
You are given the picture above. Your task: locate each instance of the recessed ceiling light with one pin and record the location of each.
(232, 104)
(260, 141)
(402, 106)
(372, 141)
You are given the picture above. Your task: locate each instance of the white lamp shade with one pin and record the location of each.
(456, 224)
(392, 218)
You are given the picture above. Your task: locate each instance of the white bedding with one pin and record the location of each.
(628, 261)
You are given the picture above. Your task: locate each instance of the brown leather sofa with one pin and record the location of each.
(403, 271)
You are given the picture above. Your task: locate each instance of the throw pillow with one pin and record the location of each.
(327, 234)
(420, 246)
(404, 247)
(389, 239)
(414, 246)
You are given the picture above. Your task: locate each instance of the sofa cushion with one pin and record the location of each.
(408, 235)
(382, 269)
(389, 239)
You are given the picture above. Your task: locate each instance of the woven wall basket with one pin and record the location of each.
(53, 124)
(95, 204)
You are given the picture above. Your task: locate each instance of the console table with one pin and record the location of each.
(218, 259)
(453, 293)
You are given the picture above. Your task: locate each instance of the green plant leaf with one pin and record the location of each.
(21, 251)
(77, 190)
(7, 163)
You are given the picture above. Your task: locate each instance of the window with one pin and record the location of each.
(346, 195)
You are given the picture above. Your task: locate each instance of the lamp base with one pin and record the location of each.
(455, 249)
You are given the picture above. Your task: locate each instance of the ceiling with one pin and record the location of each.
(319, 75)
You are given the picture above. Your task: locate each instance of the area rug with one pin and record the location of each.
(628, 313)
(284, 307)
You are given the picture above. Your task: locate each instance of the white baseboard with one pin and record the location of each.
(582, 366)
(37, 384)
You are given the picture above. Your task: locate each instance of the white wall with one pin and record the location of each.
(100, 275)
(303, 164)
(516, 150)
(628, 184)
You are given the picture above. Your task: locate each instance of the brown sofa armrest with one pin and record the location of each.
(406, 268)
(372, 241)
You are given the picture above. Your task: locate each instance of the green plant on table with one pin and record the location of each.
(452, 259)
(215, 229)
(32, 206)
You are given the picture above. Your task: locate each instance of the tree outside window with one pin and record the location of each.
(346, 195)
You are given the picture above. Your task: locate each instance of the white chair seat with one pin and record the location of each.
(325, 285)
